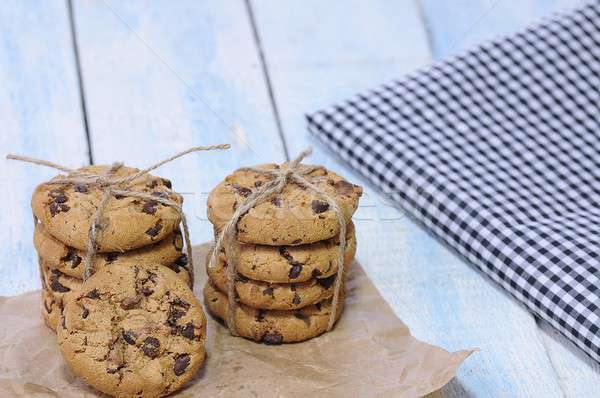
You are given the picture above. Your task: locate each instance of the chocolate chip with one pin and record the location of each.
(276, 201)
(93, 294)
(177, 309)
(147, 291)
(130, 302)
(327, 282)
(166, 183)
(154, 230)
(174, 315)
(188, 331)
(272, 338)
(260, 315)
(62, 198)
(268, 291)
(150, 207)
(180, 303)
(56, 286)
(112, 256)
(73, 258)
(258, 183)
(297, 299)
(295, 271)
(85, 312)
(319, 206)
(296, 268)
(241, 278)
(182, 361)
(344, 187)
(56, 208)
(81, 188)
(316, 273)
(300, 315)
(129, 336)
(182, 261)
(242, 191)
(151, 347)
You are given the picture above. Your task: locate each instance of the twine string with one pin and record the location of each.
(227, 238)
(116, 187)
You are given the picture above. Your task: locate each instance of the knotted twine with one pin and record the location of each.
(117, 187)
(279, 178)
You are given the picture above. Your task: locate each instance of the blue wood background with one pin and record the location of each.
(97, 80)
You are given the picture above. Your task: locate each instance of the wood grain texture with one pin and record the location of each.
(441, 298)
(454, 27)
(162, 76)
(41, 117)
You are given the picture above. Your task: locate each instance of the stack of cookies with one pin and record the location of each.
(287, 254)
(132, 230)
(134, 328)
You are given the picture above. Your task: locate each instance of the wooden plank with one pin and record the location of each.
(320, 53)
(455, 28)
(163, 76)
(41, 116)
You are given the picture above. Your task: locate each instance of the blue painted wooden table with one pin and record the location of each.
(99, 81)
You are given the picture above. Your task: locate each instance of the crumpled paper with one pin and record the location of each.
(370, 353)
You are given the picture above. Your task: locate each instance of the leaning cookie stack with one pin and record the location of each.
(287, 254)
(134, 327)
(133, 231)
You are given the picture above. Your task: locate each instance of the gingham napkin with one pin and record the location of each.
(497, 151)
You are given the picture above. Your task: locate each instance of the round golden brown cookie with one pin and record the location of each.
(273, 326)
(293, 264)
(69, 260)
(273, 296)
(51, 309)
(67, 210)
(294, 217)
(134, 331)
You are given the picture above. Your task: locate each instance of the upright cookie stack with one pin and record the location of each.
(287, 253)
(132, 230)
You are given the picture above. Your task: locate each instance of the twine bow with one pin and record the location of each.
(279, 178)
(117, 186)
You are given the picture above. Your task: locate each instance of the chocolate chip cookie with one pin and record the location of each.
(273, 326)
(67, 211)
(273, 296)
(133, 331)
(294, 264)
(69, 260)
(295, 216)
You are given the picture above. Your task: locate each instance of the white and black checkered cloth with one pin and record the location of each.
(497, 151)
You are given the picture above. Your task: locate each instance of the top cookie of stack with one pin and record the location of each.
(294, 217)
(287, 253)
(66, 211)
(131, 229)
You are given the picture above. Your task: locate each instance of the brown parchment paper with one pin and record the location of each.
(370, 353)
